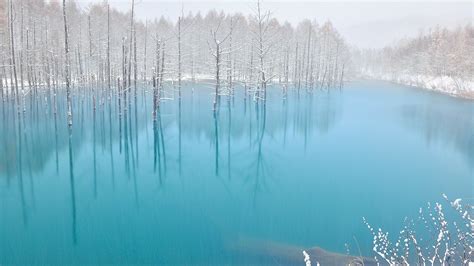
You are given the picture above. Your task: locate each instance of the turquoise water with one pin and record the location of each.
(197, 189)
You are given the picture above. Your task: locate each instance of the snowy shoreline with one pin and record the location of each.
(453, 87)
(445, 85)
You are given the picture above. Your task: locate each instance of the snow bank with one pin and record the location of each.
(444, 84)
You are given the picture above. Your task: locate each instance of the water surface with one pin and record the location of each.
(194, 188)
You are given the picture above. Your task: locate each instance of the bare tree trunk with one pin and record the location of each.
(229, 67)
(251, 65)
(155, 83)
(108, 46)
(216, 95)
(261, 52)
(179, 57)
(130, 49)
(79, 62)
(155, 96)
(335, 78)
(318, 68)
(1, 88)
(135, 65)
(295, 70)
(4, 77)
(144, 52)
(308, 57)
(341, 81)
(89, 63)
(21, 50)
(157, 59)
(12, 50)
(287, 68)
(66, 51)
(89, 34)
(162, 68)
(218, 57)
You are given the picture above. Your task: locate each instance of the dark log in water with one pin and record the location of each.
(266, 252)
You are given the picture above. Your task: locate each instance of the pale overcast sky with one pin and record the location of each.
(363, 24)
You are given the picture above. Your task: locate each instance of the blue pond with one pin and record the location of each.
(194, 188)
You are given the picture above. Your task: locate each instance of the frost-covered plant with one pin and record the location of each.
(443, 243)
(307, 259)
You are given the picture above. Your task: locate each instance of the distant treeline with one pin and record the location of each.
(438, 52)
(110, 48)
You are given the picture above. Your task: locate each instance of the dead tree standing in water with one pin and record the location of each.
(66, 51)
(179, 57)
(12, 50)
(130, 52)
(217, 54)
(108, 48)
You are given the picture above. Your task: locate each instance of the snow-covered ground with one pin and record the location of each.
(444, 84)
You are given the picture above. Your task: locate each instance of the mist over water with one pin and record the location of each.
(196, 188)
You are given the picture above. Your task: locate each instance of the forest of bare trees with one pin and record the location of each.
(446, 54)
(115, 53)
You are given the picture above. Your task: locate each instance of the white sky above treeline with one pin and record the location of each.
(363, 24)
